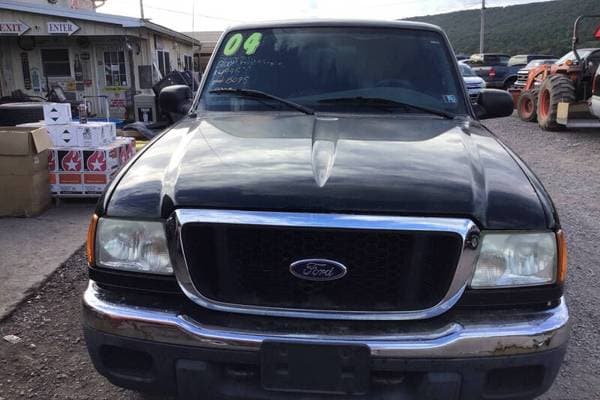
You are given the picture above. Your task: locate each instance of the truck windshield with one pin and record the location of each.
(315, 67)
(583, 53)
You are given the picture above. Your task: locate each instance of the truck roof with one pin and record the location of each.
(317, 22)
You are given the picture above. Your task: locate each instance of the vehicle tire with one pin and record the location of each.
(509, 83)
(12, 114)
(555, 89)
(527, 106)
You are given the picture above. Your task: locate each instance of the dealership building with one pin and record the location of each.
(100, 59)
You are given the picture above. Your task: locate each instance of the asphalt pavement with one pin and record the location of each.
(32, 248)
(50, 361)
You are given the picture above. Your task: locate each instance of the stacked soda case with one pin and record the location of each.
(87, 170)
(85, 157)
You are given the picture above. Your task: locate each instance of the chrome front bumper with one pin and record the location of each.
(468, 334)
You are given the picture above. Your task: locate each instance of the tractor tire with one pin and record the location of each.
(555, 89)
(527, 106)
(12, 114)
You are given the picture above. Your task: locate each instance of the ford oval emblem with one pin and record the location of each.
(318, 269)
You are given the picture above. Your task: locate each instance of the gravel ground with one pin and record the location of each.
(51, 361)
(568, 164)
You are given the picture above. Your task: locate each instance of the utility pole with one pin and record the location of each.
(142, 9)
(482, 29)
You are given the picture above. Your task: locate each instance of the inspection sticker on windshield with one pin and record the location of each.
(449, 98)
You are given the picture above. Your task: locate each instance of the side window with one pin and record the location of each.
(115, 73)
(56, 62)
(594, 59)
(164, 62)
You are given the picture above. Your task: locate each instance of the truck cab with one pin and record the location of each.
(328, 219)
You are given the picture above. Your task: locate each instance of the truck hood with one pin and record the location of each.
(473, 80)
(395, 165)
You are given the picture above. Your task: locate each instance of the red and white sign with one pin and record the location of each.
(62, 28)
(70, 160)
(96, 161)
(52, 160)
(13, 28)
(101, 159)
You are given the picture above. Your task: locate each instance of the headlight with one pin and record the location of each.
(516, 259)
(139, 246)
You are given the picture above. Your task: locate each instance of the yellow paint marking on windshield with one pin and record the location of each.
(233, 44)
(235, 41)
(252, 43)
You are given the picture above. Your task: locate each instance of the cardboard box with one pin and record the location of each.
(93, 134)
(64, 135)
(69, 183)
(15, 141)
(53, 179)
(33, 125)
(24, 165)
(69, 160)
(24, 185)
(57, 113)
(52, 157)
(95, 183)
(24, 195)
(126, 149)
(111, 130)
(102, 159)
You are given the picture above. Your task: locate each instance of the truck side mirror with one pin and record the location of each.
(494, 103)
(176, 99)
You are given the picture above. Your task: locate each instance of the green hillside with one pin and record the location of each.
(527, 28)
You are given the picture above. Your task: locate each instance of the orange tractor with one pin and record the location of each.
(554, 93)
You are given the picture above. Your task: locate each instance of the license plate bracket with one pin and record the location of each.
(315, 367)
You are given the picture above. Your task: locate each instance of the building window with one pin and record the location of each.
(196, 62)
(164, 62)
(187, 63)
(115, 72)
(56, 62)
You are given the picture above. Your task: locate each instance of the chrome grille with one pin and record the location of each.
(399, 268)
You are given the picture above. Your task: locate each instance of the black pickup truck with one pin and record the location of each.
(328, 219)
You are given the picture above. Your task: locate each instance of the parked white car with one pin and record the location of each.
(473, 82)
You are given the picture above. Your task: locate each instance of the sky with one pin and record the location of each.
(202, 15)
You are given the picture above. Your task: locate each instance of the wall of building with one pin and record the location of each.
(208, 41)
(177, 51)
(103, 58)
(79, 4)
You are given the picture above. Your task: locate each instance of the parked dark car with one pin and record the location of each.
(500, 70)
(329, 220)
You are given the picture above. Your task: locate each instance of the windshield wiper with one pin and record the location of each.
(382, 102)
(263, 95)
